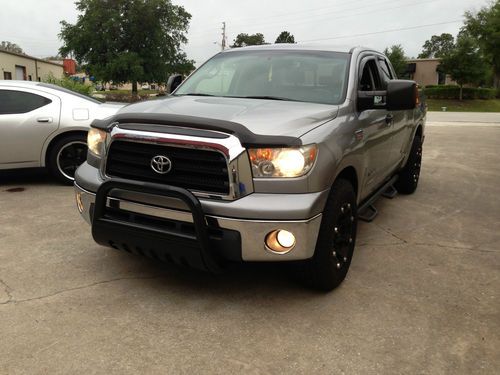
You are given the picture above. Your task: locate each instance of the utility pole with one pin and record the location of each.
(223, 44)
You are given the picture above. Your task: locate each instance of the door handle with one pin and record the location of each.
(44, 119)
(389, 119)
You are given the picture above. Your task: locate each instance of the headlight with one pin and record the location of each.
(95, 141)
(282, 162)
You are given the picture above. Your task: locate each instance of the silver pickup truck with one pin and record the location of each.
(264, 154)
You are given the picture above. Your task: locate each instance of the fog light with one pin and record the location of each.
(280, 241)
(79, 202)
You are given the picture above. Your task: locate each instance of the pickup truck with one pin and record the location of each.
(263, 154)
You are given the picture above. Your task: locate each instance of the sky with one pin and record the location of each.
(34, 24)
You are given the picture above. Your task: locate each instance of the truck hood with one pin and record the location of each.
(260, 116)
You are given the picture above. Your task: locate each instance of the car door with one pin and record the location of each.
(27, 118)
(401, 124)
(374, 128)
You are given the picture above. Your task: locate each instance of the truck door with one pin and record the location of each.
(401, 122)
(374, 129)
(27, 118)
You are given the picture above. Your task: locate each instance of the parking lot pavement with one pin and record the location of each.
(422, 295)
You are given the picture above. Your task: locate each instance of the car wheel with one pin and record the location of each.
(337, 236)
(408, 177)
(67, 154)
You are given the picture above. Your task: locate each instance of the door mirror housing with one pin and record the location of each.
(173, 82)
(371, 100)
(400, 95)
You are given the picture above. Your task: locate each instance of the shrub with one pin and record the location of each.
(453, 92)
(70, 84)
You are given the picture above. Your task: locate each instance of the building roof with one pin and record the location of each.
(427, 59)
(29, 57)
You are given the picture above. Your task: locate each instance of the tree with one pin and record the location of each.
(484, 27)
(437, 46)
(285, 37)
(464, 63)
(11, 47)
(243, 40)
(396, 56)
(128, 40)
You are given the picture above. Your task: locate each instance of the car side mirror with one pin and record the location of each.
(401, 95)
(371, 100)
(173, 82)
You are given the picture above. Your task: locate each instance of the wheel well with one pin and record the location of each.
(349, 174)
(57, 138)
(419, 131)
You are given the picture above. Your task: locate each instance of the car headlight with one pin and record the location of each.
(95, 141)
(282, 162)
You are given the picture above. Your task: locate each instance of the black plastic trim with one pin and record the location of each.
(102, 224)
(248, 139)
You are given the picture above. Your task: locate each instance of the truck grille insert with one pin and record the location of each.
(194, 169)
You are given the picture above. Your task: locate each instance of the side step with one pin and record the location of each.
(366, 211)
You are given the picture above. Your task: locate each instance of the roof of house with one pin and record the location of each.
(29, 57)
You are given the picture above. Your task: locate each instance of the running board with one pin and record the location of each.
(367, 212)
(390, 192)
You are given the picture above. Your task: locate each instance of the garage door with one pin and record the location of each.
(20, 72)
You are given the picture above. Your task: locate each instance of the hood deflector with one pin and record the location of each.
(165, 123)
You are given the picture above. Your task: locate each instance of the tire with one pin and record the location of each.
(66, 155)
(408, 177)
(336, 239)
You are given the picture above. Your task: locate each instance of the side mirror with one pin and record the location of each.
(401, 95)
(371, 100)
(173, 82)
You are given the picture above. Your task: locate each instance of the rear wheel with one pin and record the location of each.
(336, 239)
(67, 154)
(408, 177)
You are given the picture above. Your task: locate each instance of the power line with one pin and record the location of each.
(310, 18)
(326, 15)
(341, 12)
(380, 32)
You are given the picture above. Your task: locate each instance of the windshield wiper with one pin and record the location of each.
(195, 94)
(265, 97)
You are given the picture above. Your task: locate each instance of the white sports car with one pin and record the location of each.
(43, 125)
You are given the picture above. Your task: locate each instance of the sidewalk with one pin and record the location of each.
(463, 118)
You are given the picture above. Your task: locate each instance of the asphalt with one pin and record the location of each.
(422, 295)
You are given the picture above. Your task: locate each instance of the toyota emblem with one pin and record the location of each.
(161, 164)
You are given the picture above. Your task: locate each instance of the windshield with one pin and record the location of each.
(305, 76)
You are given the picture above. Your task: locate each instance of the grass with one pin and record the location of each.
(477, 105)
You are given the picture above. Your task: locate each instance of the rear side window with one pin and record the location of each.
(13, 102)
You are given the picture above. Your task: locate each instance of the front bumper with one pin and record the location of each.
(136, 220)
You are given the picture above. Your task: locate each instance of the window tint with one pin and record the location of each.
(370, 80)
(386, 72)
(20, 102)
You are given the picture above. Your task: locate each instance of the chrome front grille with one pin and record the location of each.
(194, 169)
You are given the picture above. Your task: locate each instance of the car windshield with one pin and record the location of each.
(305, 76)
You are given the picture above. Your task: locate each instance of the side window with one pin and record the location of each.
(385, 70)
(370, 79)
(12, 102)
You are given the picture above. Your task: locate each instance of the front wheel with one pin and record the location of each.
(337, 236)
(67, 154)
(408, 177)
